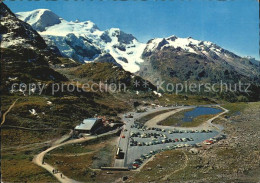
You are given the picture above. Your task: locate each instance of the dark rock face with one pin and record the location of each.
(107, 58)
(184, 59)
(161, 44)
(105, 37)
(173, 64)
(121, 47)
(81, 48)
(16, 34)
(125, 38)
(172, 38)
(123, 59)
(25, 55)
(17, 29)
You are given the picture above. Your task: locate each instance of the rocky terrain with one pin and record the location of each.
(25, 55)
(172, 58)
(176, 59)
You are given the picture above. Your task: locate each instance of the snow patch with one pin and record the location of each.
(33, 112)
(119, 44)
(157, 93)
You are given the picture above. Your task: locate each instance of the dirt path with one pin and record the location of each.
(209, 122)
(32, 129)
(6, 112)
(73, 155)
(182, 168)
(32, 146)
(63, 138)
(39, 159)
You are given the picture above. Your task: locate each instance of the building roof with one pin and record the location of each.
(87, 124)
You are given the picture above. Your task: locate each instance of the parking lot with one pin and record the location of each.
(139, 142)
(144, 143)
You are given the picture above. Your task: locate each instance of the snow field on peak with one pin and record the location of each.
(88, 32)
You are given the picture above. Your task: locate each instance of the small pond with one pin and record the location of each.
(198, 111)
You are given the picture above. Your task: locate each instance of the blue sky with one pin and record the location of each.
(232, 24)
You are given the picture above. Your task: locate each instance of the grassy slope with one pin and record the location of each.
(163, 164)
(77, 161)
(170, 99)
(16, 166)
(235, 107)
(104, 72)
(57, 120)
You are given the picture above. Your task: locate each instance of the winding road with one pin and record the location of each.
(39, 159)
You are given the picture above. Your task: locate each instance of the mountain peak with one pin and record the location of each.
(121, 36)
(39, 19)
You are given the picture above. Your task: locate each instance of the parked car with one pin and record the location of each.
(152, 152)
(198, 145)
(191, 139)
(148, 156)
(137, 163)
(139, 160)
(135, 166)
(163, 141)
(208, 142)
(142, 156)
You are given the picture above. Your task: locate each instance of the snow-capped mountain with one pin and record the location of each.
(190, 45)
(205, 49)
(83, 41)
(186, 59)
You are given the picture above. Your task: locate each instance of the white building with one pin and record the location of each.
(89, 125)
